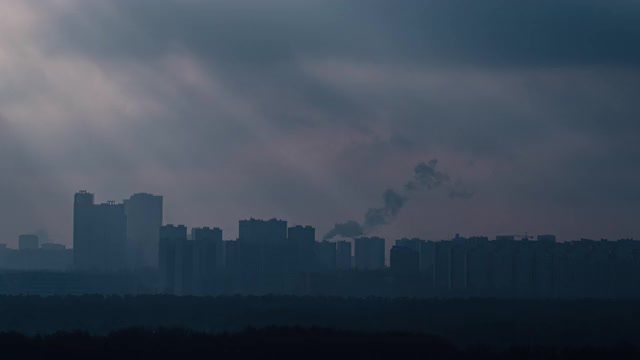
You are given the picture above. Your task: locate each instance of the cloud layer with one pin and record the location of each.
(309, 110)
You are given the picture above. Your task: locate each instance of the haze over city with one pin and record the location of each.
(310, 111)
(320, 179)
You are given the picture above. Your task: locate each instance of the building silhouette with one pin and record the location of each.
(264, 255)
(33, 257)
(99, 234)
(344, 257)
(369, 253)
(171, 238)
(208, 259)
(270, 258)
(28, 242)
(83, 252)
(404, 260)
(233, 269)
(325, 256)
(546, 238)
(302, 241)
(144, 219)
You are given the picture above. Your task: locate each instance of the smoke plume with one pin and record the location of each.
(348, 229)
(425, 176)
(393, 202)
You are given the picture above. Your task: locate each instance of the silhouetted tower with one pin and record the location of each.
(369, 253)
(326, 256)
(99, 234)
(414, 244)
(82, 227)
(109, 236)
(233, 265)
(28, 242)
(343, 255)
(209, 258)
(144, 219)
(404, 261)
(263, 254)
(170, 266)
(301, 241)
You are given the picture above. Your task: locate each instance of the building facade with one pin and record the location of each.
(99, 234)
(144, 219)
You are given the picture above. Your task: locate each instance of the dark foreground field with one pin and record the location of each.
(116, 327)
(277, 343)
(572, 323)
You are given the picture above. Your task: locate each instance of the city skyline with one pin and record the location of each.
(329, 234)
(332, 178)
(275, 257)
(310, 111)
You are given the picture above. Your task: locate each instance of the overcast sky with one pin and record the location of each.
(309, 110)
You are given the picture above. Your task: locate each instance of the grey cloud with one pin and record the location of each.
(538, 33)
(28, 191)
(541, 94)
(255, 50)
(460, 193)
(243, 32)
(493, 32)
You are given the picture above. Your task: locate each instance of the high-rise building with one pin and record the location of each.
(479, 259)
(212, 237)
(343, 255)
(257, 231)
(53, 246)
(232, 265)
(110, 235)
(459, 264)
(28, 242)
(443, 265)
(171, 238)
(301, 241)
(264, 254)
(99, 234)
(325, 256)
(547, 238)
(209, 258)
(144, 218)
(404, 260)
(369, 253)
(206, 234)
(414, 244)
(82, 229)
(428, 262)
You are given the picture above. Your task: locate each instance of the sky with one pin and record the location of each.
(311, 110)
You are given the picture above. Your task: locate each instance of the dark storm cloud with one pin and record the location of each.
(249, 32)
(492, 32)
(503, 32)
(253, 46)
